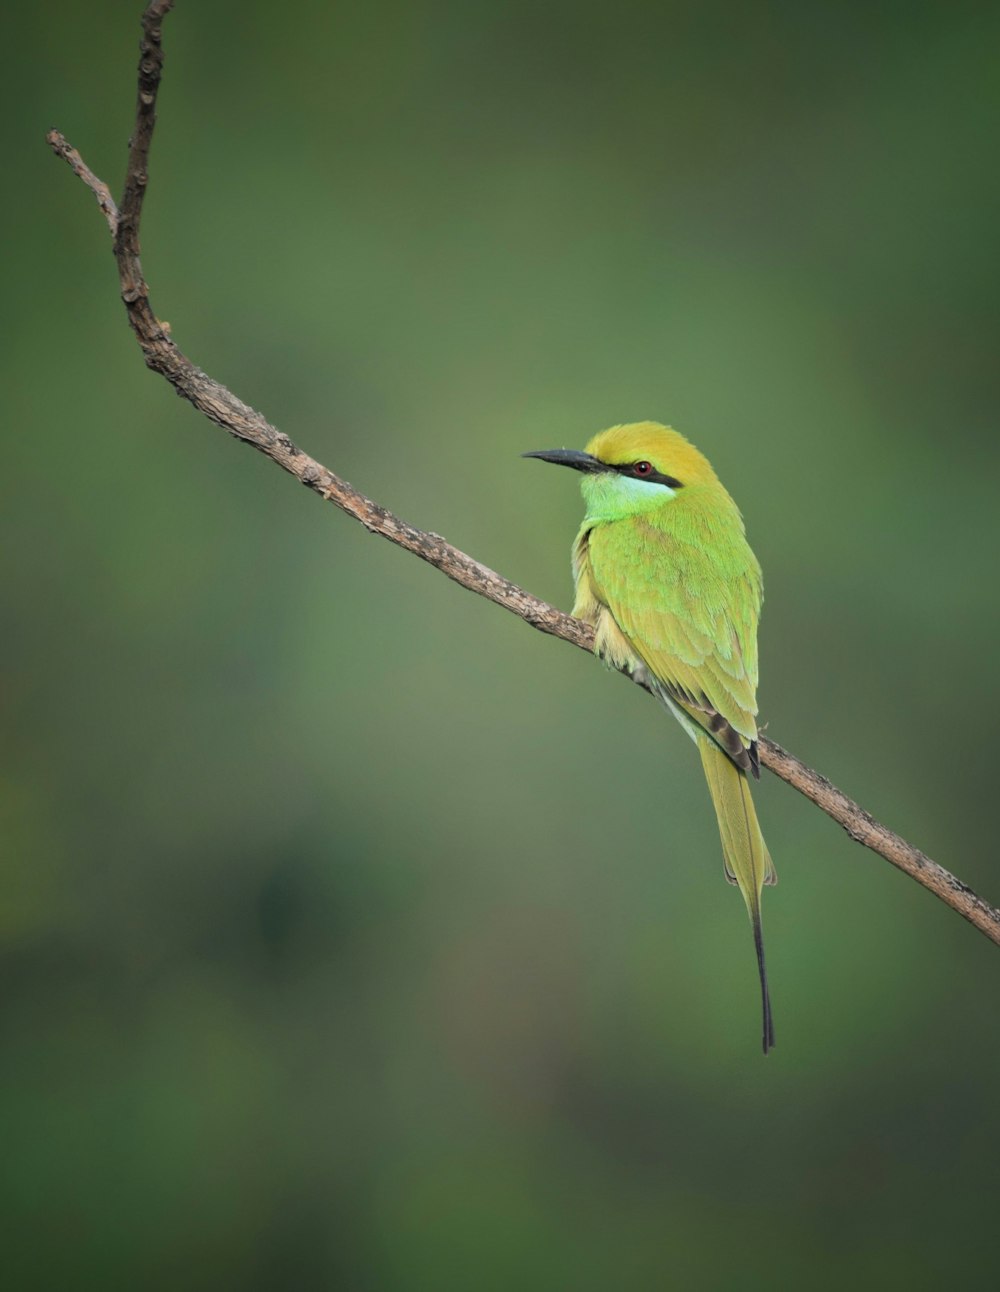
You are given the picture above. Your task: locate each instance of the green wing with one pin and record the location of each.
(689, 603)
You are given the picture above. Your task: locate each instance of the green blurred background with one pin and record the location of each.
(354, 935)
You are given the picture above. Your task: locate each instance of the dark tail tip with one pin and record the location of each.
(765, 995)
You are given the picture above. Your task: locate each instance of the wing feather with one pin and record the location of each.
(689, 609)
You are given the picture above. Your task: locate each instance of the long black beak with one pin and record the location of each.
(574, 458)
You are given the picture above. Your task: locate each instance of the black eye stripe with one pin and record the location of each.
(651, 477)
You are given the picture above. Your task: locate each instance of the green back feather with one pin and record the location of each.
(685, 588)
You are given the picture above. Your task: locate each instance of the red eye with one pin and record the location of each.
(642, 468)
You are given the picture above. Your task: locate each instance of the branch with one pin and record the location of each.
(221, 406)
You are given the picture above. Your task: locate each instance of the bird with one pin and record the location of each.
(666, 576)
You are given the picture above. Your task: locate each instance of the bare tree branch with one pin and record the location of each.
(79, 167)
(222, 407)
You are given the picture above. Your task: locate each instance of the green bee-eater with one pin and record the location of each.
(665, 574)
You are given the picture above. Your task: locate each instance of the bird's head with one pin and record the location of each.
(631, 469)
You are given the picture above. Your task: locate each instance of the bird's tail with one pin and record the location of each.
(748, 863)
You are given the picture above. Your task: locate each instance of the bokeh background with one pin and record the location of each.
(353, 935)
